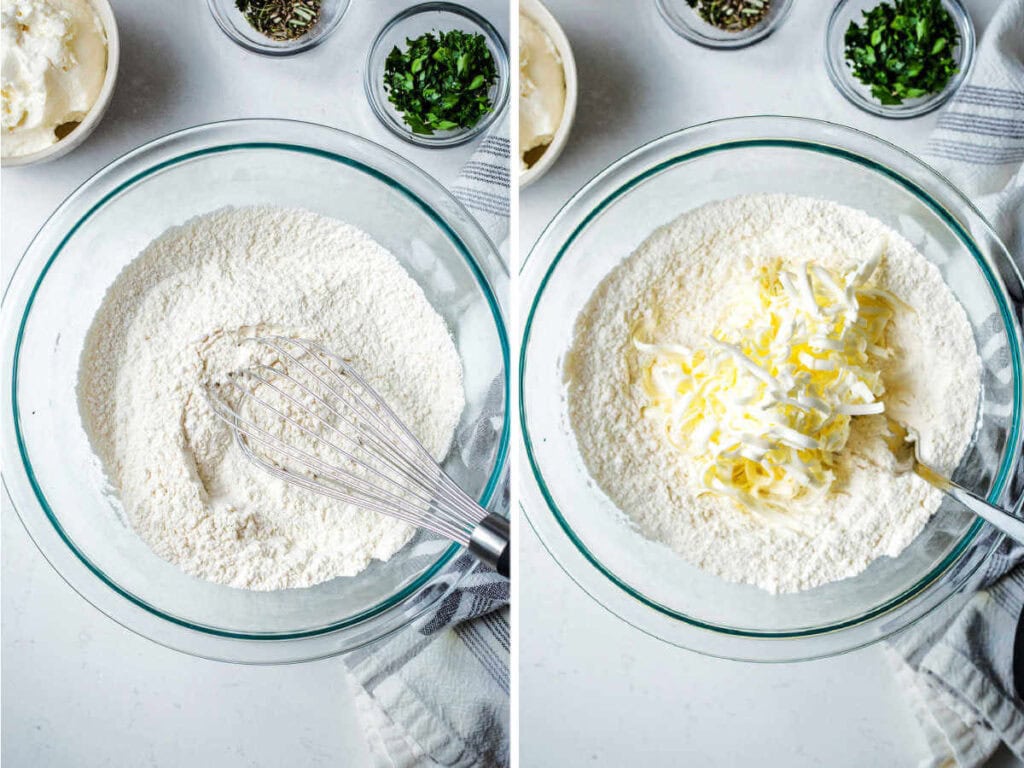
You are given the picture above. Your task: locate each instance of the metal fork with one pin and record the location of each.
(903, 442)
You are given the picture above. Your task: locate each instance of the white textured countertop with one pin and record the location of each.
(79, 690)
(594, 691)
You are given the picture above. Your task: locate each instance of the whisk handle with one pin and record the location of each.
(490, 542)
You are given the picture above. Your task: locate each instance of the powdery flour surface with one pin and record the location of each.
(173, 320)
(679, 282)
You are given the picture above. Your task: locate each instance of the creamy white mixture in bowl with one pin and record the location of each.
(655, 257)
(548, 90)
(243, 226)
(60, 61)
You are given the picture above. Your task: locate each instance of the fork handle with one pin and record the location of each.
(1002, 519)
(490, 542)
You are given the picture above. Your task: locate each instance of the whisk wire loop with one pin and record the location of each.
(418, 462)
(358, 450)
(369, 495)
(319, 437)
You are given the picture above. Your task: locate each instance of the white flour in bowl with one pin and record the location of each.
(679, 283)
(173, 319)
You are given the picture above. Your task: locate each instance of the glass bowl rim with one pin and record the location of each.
(220, 146)
(694, 35)
(635, 178)
(375, 90)
(835, 64)
(300, 44)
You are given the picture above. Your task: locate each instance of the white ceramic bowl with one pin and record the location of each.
(92, 119)
(536, 11)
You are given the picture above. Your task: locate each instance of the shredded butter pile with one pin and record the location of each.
(764, 407)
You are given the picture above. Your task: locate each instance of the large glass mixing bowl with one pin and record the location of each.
(647, 584)
(57, 483)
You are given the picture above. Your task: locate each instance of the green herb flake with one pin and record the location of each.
(441, 81)
(904, 50)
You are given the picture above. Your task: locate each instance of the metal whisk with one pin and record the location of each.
(308, 418)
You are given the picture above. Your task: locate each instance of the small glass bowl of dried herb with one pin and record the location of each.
(898, 58)
(437, 75)
(724, 23)
(278, 27)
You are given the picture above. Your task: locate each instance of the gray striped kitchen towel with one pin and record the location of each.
(437, 692)
(956, 665)
(979, 141)
(483, 183)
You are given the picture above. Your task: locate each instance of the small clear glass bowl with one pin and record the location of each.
(411, 23)
(647, 584)
(858, 94)
(57, 484)
(234, 24)
(685, 21)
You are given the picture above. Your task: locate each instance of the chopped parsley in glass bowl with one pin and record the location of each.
(898, 58)
(437, 75)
